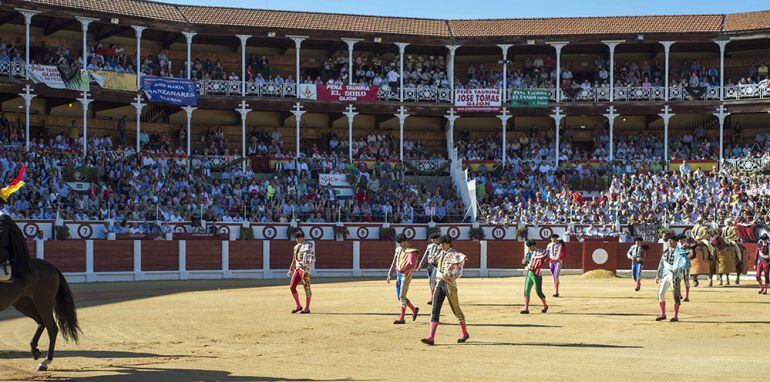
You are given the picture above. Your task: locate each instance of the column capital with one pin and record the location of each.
(27, 95)
(28, 13)
(351, 41)
(297, 40)
(722, 113)
(189, 110)
(84, 21)
(451, 116)
(138, 104)
(452, 49)
(612, 43)
(243, 38)
(243, 110)
(667, 44)
(189, 36)
(350, 112)
(504, 116)
(722, 43)
(297, 110)
(402, 114)
(666, 115)
(401, 46)
(558, 45)
(504, 48)
(138, 29)
(611, 113)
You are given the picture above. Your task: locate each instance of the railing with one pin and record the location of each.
(11, 69)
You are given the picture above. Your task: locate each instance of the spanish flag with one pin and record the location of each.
(14, 186)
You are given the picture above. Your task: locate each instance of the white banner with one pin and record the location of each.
(478, 100)
(308, 91)
(51, 77)
(335, 180)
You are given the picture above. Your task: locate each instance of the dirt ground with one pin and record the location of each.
(243, 331)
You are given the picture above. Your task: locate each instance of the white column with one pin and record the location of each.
(28, 96)
(722, 44)
(667, 49)
(189, 36)
(189, 111)
(351, 42)
(558, 46)
(243, 38)
(557, 116)
(356, 258)
(504, 48)
(84, 21)
(297, 111)
(266, 273)
(90, 275)
(243, 111)
(401, 119)
(721, 114)
(183, 274)
(350, 113)
(504, 117)
(138, 34)
(27, 21)
(85, 101)
(451, 70)
(612, 44)
(666, 115)
(611, 115)
(451, 118)
(297, 44)
(401, 50)
(138, 105)
(226, 273)
(138, 274)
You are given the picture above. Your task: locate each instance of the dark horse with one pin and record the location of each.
(39, 295)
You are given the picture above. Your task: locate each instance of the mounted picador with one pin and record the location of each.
(14, 255)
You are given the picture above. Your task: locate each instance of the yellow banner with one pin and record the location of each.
(114, 81)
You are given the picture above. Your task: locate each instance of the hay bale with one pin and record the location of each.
(599, 274)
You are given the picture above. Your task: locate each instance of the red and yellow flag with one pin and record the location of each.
(14, 186)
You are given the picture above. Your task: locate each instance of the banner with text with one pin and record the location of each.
(529, 98)
(64, 77)
(172, 91)
(114, 80)
(477, 100)
(339, 93)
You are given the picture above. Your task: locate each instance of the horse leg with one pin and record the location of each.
(53, 331)
(27, 308)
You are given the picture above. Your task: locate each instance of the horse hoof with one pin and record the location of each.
(42, 368)
(35, 354)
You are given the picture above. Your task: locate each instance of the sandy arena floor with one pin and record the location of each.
(243, 331)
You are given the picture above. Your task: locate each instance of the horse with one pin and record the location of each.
(39, 295)
(729, 260)
(703, 262)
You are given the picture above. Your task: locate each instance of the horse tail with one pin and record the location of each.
(66, 314)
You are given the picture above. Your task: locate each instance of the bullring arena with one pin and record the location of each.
(185, 180)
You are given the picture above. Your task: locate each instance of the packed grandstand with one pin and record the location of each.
(140, 114)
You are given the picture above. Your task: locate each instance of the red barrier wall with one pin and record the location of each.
(203, 255)
(160, 255)
(377, 254)
(504, 254)
(113, 256)
(67, 255)
(246, 254)
(31, 247)
(281, 252)
(334, 254)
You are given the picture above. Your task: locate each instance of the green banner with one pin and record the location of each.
(529, 98)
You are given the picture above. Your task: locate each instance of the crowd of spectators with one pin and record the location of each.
(642, 196)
